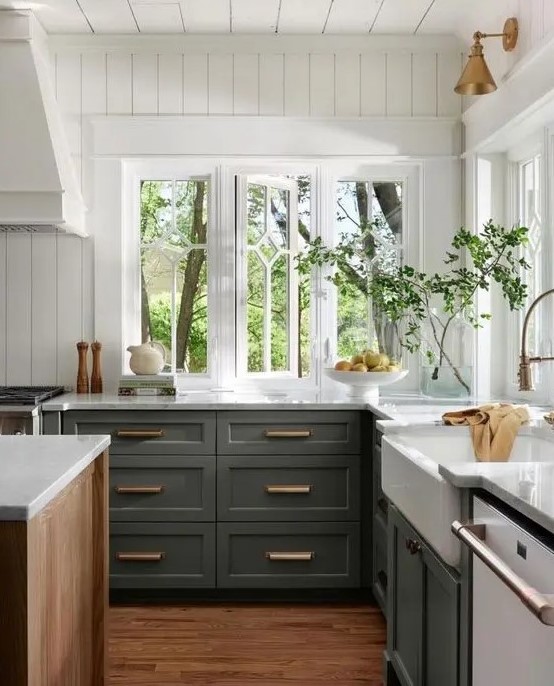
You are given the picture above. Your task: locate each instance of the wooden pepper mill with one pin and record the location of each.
(96, 375)
(82, 372)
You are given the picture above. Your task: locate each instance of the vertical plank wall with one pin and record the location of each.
(46, 281)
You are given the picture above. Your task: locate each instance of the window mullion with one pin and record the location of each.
(267, 319)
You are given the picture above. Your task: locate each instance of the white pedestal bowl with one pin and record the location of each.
(365, 385)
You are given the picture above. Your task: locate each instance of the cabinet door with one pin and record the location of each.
(405, 600)
(441, 597)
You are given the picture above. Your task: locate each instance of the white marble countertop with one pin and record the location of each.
(35, 469)
(528, 487)
(390, 406)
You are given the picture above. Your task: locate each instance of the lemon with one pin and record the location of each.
(372, 359)
(359, 367)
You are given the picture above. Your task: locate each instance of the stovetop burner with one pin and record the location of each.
(28, 395)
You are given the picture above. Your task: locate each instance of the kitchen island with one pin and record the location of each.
(53, 560)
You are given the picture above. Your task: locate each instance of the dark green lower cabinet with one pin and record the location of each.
(423, 610)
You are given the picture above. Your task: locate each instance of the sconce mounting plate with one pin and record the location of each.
(510, 33)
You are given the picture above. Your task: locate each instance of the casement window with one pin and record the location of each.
(273, 300)
(214, 270)
(359, 204)
(174, 270)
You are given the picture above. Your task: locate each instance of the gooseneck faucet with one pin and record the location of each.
(525, 375)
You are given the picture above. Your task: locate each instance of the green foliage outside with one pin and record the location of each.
(173, 221)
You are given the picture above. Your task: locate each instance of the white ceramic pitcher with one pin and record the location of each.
(148, 358)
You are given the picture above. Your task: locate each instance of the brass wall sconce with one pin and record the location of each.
(476, 78)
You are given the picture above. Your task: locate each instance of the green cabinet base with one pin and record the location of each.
(423, 610)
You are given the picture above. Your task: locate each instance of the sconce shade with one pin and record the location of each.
(476, 78)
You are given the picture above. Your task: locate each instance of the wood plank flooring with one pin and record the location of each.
(246, 645)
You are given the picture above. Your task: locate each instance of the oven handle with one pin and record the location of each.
(474, 535)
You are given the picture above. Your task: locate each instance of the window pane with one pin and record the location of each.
(191, 345)
(191, 210)
(255, 312)
(277, 302)
(530, 201)
(280, 324)
(156, 291)
(369, 220)
(174, 223)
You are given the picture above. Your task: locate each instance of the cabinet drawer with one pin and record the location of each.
(306, 555)
(148, 432)
(284, 432)
(288, 488)
(175, 494)
(162, 555)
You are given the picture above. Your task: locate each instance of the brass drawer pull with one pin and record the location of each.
(282, 490)
(139, 557)
(288, 433)
(138, 490)
(140, 433)
(290, 557)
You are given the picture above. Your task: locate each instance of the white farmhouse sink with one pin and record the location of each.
(411, 456)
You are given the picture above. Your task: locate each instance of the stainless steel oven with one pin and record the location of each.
(20, 412)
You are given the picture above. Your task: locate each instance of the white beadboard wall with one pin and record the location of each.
(46, 295)
(377, 83)
(46, 285)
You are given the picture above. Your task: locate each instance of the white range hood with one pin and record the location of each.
(39, 190)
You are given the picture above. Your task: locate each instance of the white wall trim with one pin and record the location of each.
(276, 136)
(259, 43)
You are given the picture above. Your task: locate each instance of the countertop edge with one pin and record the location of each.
(14, 513)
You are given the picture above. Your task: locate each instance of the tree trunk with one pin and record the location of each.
(193, 269)
(391, 205)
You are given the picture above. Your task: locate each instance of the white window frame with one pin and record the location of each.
(541, 144)
(242, 249)
(410, 177)
(167, 170)
(222, 251)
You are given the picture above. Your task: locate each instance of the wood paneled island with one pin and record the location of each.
(53, 560)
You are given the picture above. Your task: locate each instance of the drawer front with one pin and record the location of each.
(271, 555)
(148, 432)
(288, 488)
(283, 432)
(173, 494)
(149, 555)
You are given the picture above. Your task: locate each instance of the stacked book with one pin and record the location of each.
(151, 384)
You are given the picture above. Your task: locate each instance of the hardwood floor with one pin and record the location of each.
(246, 645)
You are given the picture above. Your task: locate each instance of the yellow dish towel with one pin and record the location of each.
(493, 428)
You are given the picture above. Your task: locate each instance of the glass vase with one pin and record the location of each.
(447, 364)
(385, 337)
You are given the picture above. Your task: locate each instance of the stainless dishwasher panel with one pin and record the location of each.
(511, 647)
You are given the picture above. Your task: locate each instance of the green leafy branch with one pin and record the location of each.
(408, 297)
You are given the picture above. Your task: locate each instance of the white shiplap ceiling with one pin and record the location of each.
(252, 16)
